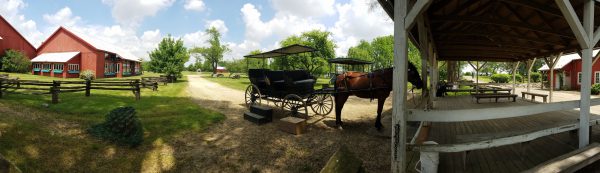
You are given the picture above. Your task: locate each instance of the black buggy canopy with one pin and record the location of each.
(349, 61)
(284, 51)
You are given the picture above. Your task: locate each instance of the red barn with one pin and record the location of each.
(10, 38)
(66, 54)
(567, 72)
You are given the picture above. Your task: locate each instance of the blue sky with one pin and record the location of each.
(246, 25)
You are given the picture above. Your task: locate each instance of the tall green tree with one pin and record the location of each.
(312, 62)
(381, 52)
(169, 57)
(15, 61)
(212, 54)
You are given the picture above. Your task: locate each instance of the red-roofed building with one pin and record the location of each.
(10, 38)
(66, 54)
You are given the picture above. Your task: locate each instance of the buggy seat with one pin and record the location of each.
(258, 77)
(299, 77)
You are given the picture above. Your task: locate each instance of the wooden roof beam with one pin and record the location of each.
(544, 8)
(487, 35)
(573, 21)
(417, 9)
(488, 21)
(497, 49)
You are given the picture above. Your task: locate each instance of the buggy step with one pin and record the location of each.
(255, 118)
(262, 111)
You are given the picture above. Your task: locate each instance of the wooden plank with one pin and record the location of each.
(398, 142)
(417, 9)
(571, 161)
(487, 113)
(495, 142)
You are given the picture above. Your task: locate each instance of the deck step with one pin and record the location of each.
(262, 111)
(255, 118)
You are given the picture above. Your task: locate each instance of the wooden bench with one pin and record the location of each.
(523, 94)
(495, 96)
(570, 162)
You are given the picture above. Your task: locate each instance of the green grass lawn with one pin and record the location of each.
(32, 135)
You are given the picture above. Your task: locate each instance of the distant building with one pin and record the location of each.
(221, 69)
(568, 68)
(66, 54)
(10, 38)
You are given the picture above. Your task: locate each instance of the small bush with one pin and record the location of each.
(536, 76)
(596, 89)
(87, 75)
(518, 78)
(468, 73)
(500, 78)
(121, 126)
(15, 61)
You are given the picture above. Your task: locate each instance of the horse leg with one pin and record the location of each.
(380, 102)
(340, 100)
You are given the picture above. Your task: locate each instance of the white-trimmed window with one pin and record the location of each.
(578, 77)
(118, 67)
(37, 65)
(59, 66)
(73, 67)
(137, 67)
(597, 77)
(47, 66)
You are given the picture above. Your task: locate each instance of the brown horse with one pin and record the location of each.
(374, 85)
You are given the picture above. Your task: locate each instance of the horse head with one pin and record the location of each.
(413, 76)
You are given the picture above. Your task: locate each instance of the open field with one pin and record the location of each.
(53, 139)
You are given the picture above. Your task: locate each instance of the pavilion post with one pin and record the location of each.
(514, 72)
(587, 39)
(399, 83)
(424, 49)
(529, 66)
(551, 62)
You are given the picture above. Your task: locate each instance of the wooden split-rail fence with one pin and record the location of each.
(54, 88)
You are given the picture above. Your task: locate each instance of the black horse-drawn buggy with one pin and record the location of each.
(291, 90)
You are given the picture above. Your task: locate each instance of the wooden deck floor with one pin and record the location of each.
(510, 158)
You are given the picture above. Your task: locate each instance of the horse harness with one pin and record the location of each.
(370, 76)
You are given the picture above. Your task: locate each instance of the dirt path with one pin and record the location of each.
(237, 145)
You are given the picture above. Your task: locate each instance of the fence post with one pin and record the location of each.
(154, 86)
(137, 89)
(54, 90)
(1, 87)
(88, 85)
(18, 83)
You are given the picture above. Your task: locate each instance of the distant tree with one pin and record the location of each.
(381, 52)
(212, 54)
(312, 62)
(15, 61)
(362, 51)
(169, 57)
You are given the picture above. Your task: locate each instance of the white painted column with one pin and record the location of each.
(529, 66)
(586, 74)
(399, 91)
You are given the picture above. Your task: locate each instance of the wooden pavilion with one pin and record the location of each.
(489, 30)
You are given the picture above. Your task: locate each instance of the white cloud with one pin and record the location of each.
(219, 25)
(195, 39)
(64, 17)
(280, 26)
(305, 8)
(194, 5)
(356, 22)
(132, 12)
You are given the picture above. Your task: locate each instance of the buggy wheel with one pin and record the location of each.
(277, 102)
(295, 105)
(321, 104)
(252, 95)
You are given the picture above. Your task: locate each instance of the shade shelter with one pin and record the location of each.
(349, 64)
(503, 30)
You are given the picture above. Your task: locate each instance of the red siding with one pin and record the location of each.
(572, 69)
(12, 39)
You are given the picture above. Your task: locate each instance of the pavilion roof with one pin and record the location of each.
(497, 30)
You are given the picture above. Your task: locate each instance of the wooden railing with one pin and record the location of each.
(56, 87)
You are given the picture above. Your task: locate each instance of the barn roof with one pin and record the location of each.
(564, 60)
(97, 44)
(497, 30)
(55, 57)
(18, 33)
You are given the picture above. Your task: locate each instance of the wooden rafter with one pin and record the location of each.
(544, 8)
(488, 21)
(488, 35)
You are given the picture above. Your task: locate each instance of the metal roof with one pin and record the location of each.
(564, 60)
(497, 30)
(287, 50)
(55, 57)
(349, 61)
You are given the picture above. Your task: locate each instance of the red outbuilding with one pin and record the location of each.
(567, 72)
(66, 54)
(10, 38)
